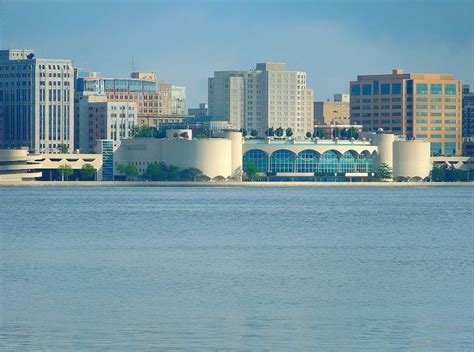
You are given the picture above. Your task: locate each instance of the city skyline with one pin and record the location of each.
(186, 42)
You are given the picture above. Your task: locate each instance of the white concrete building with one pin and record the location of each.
(267, 97)
(36, 102)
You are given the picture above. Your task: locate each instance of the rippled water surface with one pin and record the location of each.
(129, 269)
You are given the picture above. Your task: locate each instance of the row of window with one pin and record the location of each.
(375, 88)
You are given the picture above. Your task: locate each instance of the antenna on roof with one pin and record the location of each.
(133, 65)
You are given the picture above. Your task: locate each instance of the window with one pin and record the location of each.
(435, 114)
(436, 128)
(282, 161)
(450, 121)
(435, 88)
(409, 86)
(450, 107)
(376, 87)
(450, 114)
(366, 89)
(449, 148)
(421, 128)
(423, 107)
(421, 100)
(435, 148)
(355, 89)
(450, 89)
(421, 88)
(450, 128)
(396, 88)
(450, 100)
(385, 88)
(450, 136)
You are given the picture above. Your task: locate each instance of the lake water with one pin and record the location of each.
(245, 269)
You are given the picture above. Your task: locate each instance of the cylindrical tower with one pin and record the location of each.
(411, 159)
(236, 138)
(384, 142)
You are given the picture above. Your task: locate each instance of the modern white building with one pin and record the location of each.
(36, 102)
(268, 97)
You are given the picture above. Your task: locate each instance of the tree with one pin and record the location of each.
(279, 132)
(254, 133)
(270, 132)
(244, 132)
(251, 170)
(190, 174)
(353, 133)
(445, 173)
(87, 171)
(383, 171)
(65, 171)
(320, 133)
(336, 133)
(63, 148)
(289, 132)
(128, 170)
(344, 133)
(308, 134)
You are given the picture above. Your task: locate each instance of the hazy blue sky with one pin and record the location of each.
(185, 41)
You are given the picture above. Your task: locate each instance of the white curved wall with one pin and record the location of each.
(18, 165)
(384, 143)
(212, 156)
(411, 159)
(236, 139)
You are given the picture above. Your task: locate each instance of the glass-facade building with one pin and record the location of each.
(106, 147)
(309, 161)
(425, 106)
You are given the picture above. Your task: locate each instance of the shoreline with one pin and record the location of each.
(226, 184)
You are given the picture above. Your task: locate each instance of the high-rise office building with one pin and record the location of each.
(332, 112)
(267, 97)
(36, 102)
(418, 105)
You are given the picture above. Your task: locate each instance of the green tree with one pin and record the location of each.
(65, 171)
(128, 170)
(87, 172)
(336, 133)
(289, 132)
(251, 170)
(308, 134)
(63, 148)
(344, 133)
(383, 171)
(270, 132)
(190, 174)
(320, 133)
(254, 133)
(244, 132)
(353, 133)
(279, 132)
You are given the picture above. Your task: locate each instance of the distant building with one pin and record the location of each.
(335, 112)
(202, 110)
(418, 105)
(467, 112)
(36, 102)
(102, 119)
(178, 100)
(269, 96)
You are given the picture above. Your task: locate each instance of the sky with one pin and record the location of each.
(184, 42)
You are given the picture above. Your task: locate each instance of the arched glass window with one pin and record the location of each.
(347, 162)
(329, 162)
(364, 162)
(307, 161)
(258, 157)
(282, 161)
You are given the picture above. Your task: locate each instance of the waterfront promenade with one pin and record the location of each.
(226, 184)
